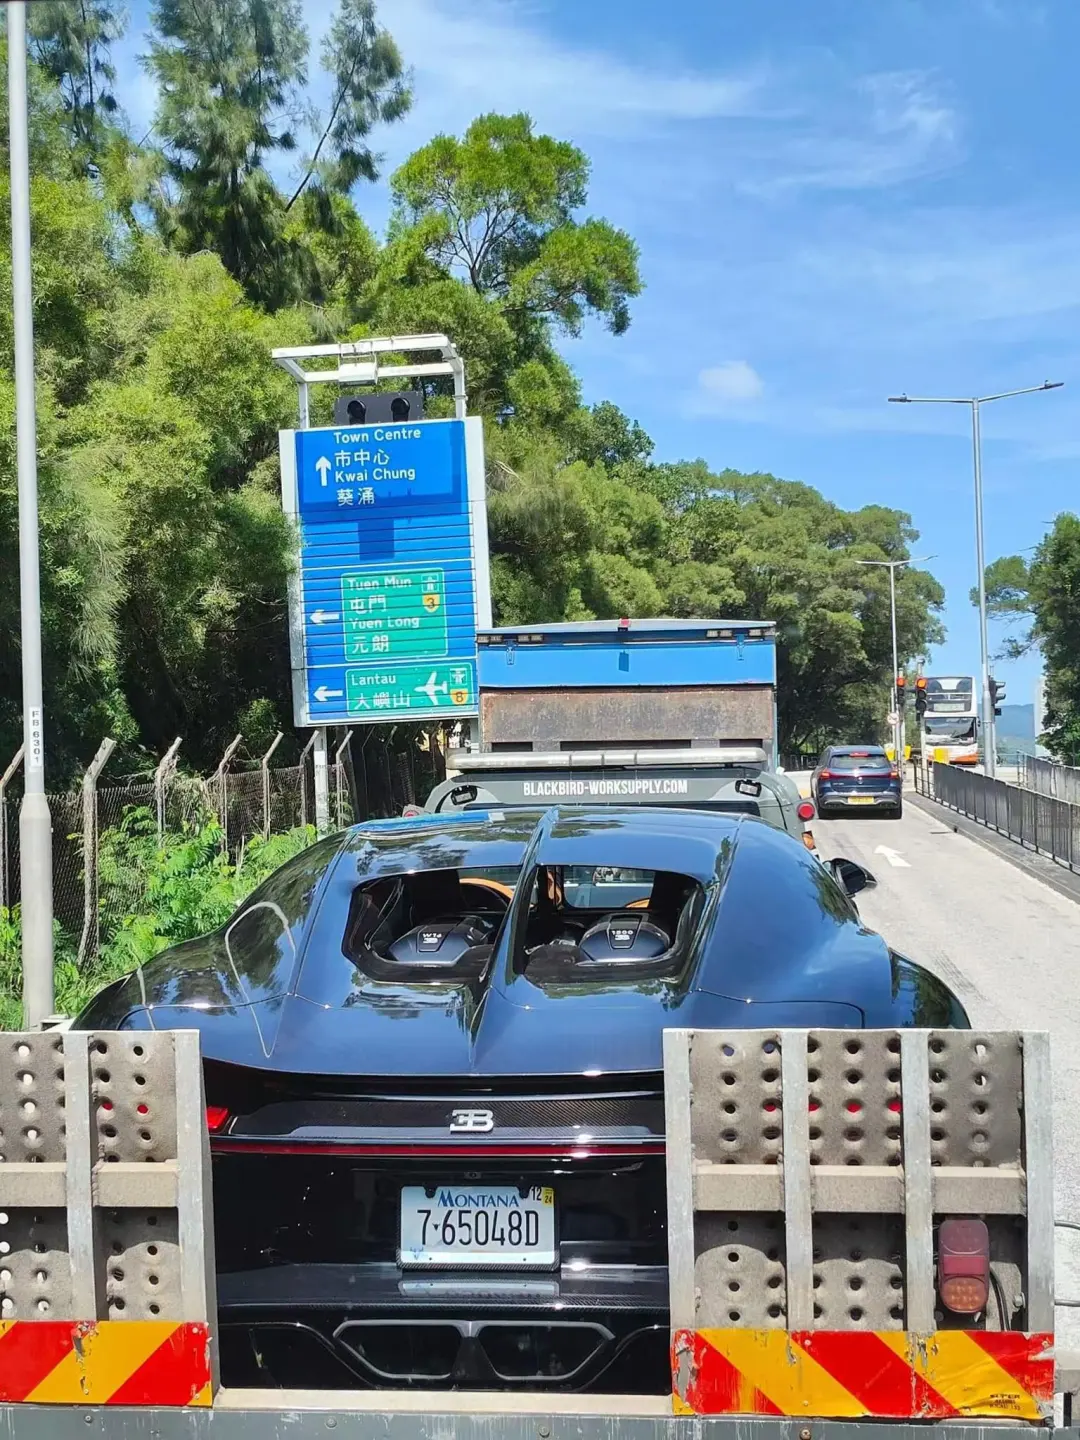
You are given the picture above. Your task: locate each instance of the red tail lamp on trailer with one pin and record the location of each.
(217, 1117)
(964, 1265)
(806, 810)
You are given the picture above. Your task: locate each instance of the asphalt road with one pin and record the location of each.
(1007, 944)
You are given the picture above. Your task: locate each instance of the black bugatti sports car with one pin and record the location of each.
(433, 1072)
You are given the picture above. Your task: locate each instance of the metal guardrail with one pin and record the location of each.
(1038, 822)
(1060, 782)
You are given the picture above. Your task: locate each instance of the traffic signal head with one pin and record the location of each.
(920, 695)
(379, 407)
(997, 693)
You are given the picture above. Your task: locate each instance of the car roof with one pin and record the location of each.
(689, 842)
(857, 749)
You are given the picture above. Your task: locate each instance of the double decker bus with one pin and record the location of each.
(951, 721)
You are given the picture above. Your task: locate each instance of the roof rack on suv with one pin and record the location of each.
(744, 756)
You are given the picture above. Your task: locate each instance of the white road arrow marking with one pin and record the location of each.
(322, 694)
(895, 859)
(323, 466)
(323, 617)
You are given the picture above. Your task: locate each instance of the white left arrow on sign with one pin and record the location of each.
(323, 466)
(322, 694)
(323, 617)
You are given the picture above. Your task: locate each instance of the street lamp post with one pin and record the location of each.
(892, 566)
(35, 824)
(976, 402)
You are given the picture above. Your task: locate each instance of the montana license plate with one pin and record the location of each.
(478, 1226)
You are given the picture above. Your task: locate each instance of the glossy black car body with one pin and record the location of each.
(856, 777)
(348, 1059)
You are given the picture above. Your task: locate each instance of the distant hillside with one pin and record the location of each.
(1017, 721)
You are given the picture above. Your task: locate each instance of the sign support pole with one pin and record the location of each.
(322, 783)
(35, 822)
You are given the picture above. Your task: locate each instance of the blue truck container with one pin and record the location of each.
(605, 684)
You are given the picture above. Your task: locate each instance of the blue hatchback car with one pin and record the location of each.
(850, 777)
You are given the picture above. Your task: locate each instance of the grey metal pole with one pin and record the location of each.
(91, 931)
(898, 742)
(322, 782)
(989, 738)
(35, 823)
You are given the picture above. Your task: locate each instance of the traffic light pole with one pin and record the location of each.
(898, 699)
(898, 727)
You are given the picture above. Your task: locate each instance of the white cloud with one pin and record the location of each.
(880, 130)
(492, 55)
(730, 385)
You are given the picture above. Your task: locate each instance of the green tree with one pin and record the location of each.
(70, 41)
(1054, 597)
(755, 547)
(369, 88)
(231, 78)
(485, 236)
(498, 207)
(1008, 598)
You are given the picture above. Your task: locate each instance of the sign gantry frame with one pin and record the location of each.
(360, 362)
(366, 362)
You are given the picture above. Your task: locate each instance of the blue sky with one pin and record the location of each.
(835, 202)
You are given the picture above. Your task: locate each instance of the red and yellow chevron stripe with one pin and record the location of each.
(854, 1373)
(111, 1362)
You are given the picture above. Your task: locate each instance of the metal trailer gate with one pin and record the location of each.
(806, 1171)
(106, 1252)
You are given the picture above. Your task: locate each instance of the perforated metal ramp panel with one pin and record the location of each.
(807, 1174)
(106, 1239)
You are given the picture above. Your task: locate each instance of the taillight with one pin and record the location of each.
(217, 1117)
(808, 840)
(964, 1265)
(806, 810)
(894, 774)
(826, 775)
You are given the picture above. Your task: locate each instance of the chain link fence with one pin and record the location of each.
(1037, 821)
(93, 890)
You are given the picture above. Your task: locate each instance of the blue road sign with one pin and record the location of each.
(392, 571)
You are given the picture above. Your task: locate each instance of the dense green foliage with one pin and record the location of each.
(1045, 593)
(167, 266)
(189, 887)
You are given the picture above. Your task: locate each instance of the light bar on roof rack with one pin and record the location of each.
(747, 756)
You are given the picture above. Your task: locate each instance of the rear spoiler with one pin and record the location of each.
(750, 757)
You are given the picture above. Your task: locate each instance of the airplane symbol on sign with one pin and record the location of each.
(431, 690)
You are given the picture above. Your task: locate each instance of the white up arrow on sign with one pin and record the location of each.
(323, 617)
(322, 694)
(323, 466)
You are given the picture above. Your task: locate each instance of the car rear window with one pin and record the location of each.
(866, 760)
